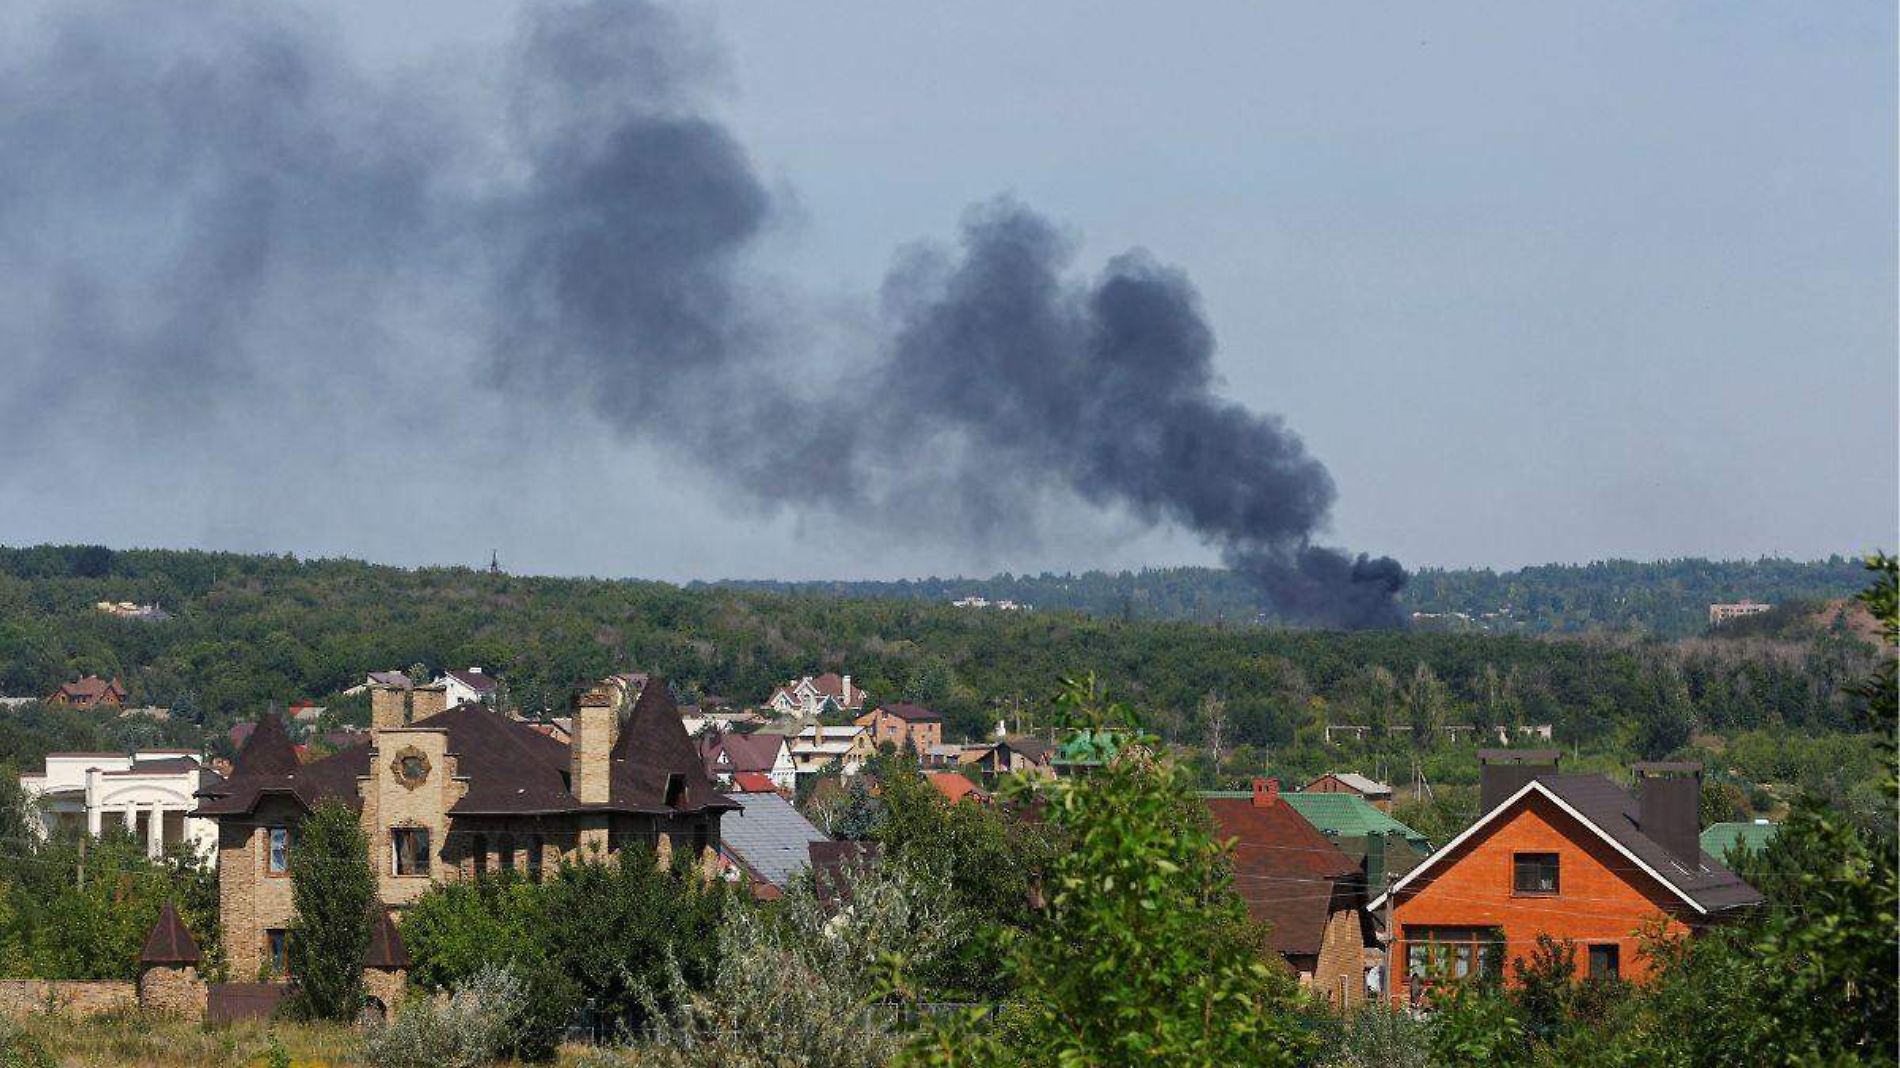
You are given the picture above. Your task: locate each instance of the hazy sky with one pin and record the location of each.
(1536, 282)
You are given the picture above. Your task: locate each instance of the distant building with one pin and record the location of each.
(817, 746)
(142, 613)
(1351, 782)
(89, 692)
(473, 686)
(1722, 613)
(813, 696)
(730, 756)
(956, 787)
(902, 723)
(766, 842)
(148, 792)
(627, 686)
(1718, 838)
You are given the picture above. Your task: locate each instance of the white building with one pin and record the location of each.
(473, 686)
(149, 793)
(814, 696)
(815, 747)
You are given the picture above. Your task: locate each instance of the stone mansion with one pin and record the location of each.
(447, 792)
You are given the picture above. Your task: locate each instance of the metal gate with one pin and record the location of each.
(231, 1002)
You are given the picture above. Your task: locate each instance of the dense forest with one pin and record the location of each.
(1668, 598)
(248, 632)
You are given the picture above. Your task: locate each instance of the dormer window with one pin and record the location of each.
(675, 790)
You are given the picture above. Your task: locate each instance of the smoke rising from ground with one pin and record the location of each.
(219, 221)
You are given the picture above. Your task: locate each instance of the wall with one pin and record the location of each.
(251, 899)
(19, 997)
(1601, 897)
(173, 992)
(1341, 967)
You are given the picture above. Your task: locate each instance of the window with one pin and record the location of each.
(1604, 961)
(1453, 952)
(478, 850)
(1534, 873)
(279, 850)
(277, 951)
(409, 848)
(675, 790)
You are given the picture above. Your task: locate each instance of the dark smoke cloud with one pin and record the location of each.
(221, 211)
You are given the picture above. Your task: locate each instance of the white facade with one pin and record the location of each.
(149, 793)
(462, 688)
(815, 747)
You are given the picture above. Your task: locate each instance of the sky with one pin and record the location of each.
(1535, 283)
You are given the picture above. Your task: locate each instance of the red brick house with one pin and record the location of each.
(900, 723)
(1575, 857)
(89, 692)
(1294, 878)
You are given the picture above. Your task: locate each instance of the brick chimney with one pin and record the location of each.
(595, 723)
(1669, 803)
(1266, 793)
(1503, 772)
(388, 707)
(426, 701)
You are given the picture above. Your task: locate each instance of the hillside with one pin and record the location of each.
(250, 631)
(1667, 598)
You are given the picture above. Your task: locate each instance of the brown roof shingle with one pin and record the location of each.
(1290, 875)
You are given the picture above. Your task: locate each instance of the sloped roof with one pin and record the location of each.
(769, 837)
(268, 750)
(1349, 816)
(954, 786)
(1286, 871)
(1718, 838)
(753, 782)
(910, 713)
(1608, 811)
(511, 768)
(1357, 782)
(479, 681)
(743, 752)
(169, 942)
(385, 949)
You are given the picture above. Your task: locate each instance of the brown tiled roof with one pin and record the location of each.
(1289, 874)
(653, 746)
(169, 942)
(912, 713)
(744, 752)
(385, 948)
(511, 768)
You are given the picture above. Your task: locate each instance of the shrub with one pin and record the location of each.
(21, 1050)
(333, 890)
(471, 1026)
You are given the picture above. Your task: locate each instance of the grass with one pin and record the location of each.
(133, 1040)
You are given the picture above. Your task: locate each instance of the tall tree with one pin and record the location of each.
(334, 891)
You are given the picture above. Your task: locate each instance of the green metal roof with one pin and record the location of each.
(1338, 815)
(1717, 838)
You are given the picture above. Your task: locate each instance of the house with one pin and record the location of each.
(956, 787)
(305, 714)
(1296, 880)
(140, 613)
(447, 793)
(941, 756)
(398, 679)
(1575, 857)
(727, 756)
(817, 746)
(767, 842)
(90, 691)
(1380, 844)
(149, 792)
(903, 724)
(472, 686)
(1718, 839)
(1351, 782)
(1017, 754)
(811, 697)
(1722, 613)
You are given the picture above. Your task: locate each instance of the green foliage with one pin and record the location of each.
(18, 1049)
(601, 931)
(1476, 1023)
(80, 909)
(1147, 956)
(334, 892)
(474, 1025)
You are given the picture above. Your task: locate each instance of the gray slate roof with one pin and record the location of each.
(768, 836)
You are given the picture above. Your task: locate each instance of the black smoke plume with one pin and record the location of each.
(220, 210)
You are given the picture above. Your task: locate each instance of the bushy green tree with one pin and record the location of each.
(334, 892)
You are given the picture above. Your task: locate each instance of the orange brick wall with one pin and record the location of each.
(1602, 896)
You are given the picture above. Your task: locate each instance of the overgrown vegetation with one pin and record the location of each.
(334, 893)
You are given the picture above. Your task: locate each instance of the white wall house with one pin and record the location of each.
(149, 793)
(473, 686)
(814, 748)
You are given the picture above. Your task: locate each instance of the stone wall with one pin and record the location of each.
(251, 898)
(19, 997)
(386, 986)
(172, 992)
(1340, 973)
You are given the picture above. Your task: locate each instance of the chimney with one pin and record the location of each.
(1669, 808)
(847, 691)
(426, 701)
(388, 707)
(595, 721)
(1504, 772)
(1266, 793)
